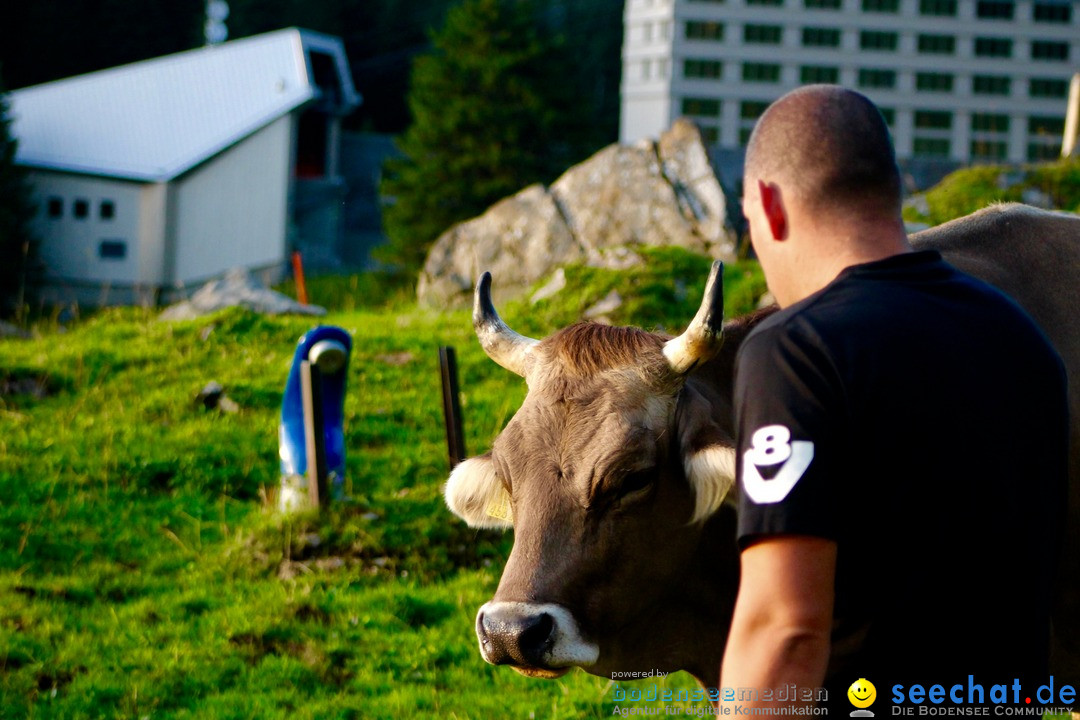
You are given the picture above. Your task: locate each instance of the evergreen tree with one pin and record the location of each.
(16, 210)
(492, 112)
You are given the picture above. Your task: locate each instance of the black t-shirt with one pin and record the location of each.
(917, 417)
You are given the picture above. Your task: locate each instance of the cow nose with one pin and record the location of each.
(511, 635)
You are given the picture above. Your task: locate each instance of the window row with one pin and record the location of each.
(876, 78)
(1051, 126)
(879, 40)
(982, 150)
(80, 208)
(1047, 11)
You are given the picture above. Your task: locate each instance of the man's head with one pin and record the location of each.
(821, 187)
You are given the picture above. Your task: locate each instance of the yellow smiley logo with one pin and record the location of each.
(862, 693)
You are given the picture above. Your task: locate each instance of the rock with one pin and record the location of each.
(210, 395)
(1037, 198)
(396, 359)
(686, 165)
(213, 397)
(237, 288)
(552, 288)
(919, 203)
(622, 198)
(611, 302)
(517, 240)
(9, 330)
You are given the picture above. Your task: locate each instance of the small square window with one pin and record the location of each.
(107, 210)
(761, 72)
(701, 107)
(878, 40)
(1048, 88)
(55, 207)
(937, 7)
(1043, 151)
(931, 147)
(752, 109)
(990, 122)
(112, 250)
(993, 47)
(937, 44)
(933, 120)
(934, 82)
(1043, 125)
(989, 150)
(995, 10)
(1048, 50)
(811, 74)
(884, 6)
(81, 209)
(763, 34)
(991, 84)
(1053, 12)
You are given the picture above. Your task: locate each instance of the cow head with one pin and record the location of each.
(609, 474)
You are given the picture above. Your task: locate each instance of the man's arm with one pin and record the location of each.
(783, 615)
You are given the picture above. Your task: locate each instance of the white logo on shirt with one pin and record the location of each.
(769, 446)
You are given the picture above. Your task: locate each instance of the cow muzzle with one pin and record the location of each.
(538, 640)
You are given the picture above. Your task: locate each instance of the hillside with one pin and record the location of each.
(142, 575)
(1053, 185)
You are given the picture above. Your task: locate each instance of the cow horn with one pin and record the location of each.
(703, 337)
(501, 344)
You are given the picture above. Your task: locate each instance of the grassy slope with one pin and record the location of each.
(141, 575)
(969, 189)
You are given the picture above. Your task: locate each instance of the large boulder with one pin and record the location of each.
(623, 197)
(516, 239)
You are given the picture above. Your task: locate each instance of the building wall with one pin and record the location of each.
(83, 241)
(958, 86)
(232, 210)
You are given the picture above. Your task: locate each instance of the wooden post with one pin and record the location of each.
(298, 275)
(455, 433)
(314, 432)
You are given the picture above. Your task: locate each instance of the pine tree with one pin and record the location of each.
(492, 112)
(16, 210)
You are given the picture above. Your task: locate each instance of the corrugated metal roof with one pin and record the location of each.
(155, 119)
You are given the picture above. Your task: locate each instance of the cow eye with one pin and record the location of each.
(636, 483)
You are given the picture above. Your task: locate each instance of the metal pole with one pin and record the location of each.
(455, 433)
(314, 433)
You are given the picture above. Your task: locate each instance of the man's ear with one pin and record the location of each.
(475, 495)
(708, 453)
(772, 203)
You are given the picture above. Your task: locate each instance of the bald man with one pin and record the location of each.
(902, 439)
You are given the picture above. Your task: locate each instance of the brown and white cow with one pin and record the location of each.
(616, 471)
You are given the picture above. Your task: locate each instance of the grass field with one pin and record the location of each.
(143, 575)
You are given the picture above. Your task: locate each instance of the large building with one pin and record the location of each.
(153, 177)
(957, 80)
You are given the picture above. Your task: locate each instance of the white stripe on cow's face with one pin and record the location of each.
(473, 488)
(568, 648)
(711, 472)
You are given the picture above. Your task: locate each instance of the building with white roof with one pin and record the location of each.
(957, 80)
(156, 176)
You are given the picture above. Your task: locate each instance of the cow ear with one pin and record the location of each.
(708, 453)
(475, 495)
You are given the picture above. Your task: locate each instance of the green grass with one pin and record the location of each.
(969, 189)
(142, 575)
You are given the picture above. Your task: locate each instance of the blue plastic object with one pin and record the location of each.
(328, 348)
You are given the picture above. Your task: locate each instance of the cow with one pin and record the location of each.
(617, 472)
